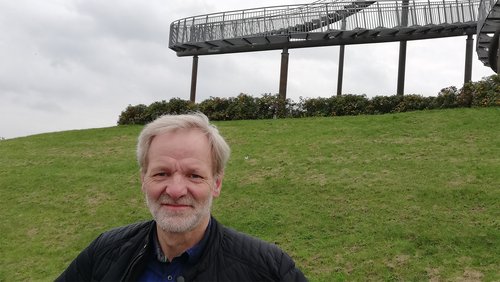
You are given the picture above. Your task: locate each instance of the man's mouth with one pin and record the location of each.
(176, 207)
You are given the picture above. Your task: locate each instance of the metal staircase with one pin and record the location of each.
(488, 32)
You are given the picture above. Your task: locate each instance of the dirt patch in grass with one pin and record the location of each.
(471, 275)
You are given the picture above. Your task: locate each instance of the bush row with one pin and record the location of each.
(484, 93)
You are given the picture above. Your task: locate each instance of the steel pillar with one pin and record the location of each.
(402, 50)
(194, 77)
(283, 74)
(341, 70)
(498, 56)
(401, 68)
(341, 63)
(468, 58)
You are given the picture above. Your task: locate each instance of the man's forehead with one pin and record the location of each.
(191, 146)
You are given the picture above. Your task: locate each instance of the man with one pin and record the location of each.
(182, 160)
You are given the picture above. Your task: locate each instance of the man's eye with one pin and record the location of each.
(160, 174)
(196, 177)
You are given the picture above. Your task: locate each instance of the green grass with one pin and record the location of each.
(408, 197)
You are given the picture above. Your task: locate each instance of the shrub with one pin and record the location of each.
(412, 103)
(242, 107)
(383, 104)
(348, 105)
(486, 93)
(156, 110)
(215, 108)
(314, 107)
(177, 106)
(133, 115)
(267, 106)
(464, 97)
(447, 98)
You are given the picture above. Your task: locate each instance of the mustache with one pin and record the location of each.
(166, 200)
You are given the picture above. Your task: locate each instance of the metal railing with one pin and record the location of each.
(322, 16)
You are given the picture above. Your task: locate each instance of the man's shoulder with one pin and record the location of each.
(247, 258)
(244, 253)
(246, 244)
(121, 235)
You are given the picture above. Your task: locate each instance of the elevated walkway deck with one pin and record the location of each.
(322, 23)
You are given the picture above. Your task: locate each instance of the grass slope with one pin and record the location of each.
(411, 196)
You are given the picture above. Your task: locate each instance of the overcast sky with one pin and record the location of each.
(72, 64)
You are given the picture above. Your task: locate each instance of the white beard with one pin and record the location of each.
(179, 222)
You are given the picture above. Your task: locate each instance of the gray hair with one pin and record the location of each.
(220, 150)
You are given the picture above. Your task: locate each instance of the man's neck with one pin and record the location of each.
(174, 244)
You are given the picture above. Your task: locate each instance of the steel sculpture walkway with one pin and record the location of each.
(321, 23)
(341, 22)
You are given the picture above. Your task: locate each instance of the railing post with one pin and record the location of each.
(242, 23)
(178, 26)
(381, 20)
(222, 27)
(205, 32)
(184, 31)
(451, 14)
(458, 12)
(473, 12)
(444, 11)
(364, 17)
(192, 33)
(398, 18)
(430, 11)
(413, 15)
(265, 21)
(404, 13)
(425, 16)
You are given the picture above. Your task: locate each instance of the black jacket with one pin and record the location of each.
(120, 255)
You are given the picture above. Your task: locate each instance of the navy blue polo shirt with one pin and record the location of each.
(158, 268)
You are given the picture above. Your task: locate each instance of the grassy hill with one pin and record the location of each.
(411, 196)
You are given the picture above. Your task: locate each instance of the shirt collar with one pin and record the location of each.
(193, 254)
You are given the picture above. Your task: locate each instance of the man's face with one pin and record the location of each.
(179, 183)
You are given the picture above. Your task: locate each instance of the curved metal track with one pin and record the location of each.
(323, 23)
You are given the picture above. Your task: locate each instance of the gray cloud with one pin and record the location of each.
(79, 63)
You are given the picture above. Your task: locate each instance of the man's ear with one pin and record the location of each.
(218, 185)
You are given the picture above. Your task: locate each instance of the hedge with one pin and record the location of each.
(484, 93)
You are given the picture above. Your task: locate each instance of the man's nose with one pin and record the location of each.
(176, 187)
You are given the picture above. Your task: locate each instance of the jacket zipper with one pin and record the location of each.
(133, 263)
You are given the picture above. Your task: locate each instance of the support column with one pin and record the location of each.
(498, 56)
(341, 70)
(402, 50)
(401, 68)
(468, 58)
(341, 63)
(194, 77)
(283, 74)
